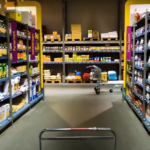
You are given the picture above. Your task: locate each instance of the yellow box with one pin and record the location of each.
(15, 14)
(54, 33)
(78, 77)
(76, 27)
(104, 76)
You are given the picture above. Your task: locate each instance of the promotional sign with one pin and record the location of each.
(32, 44)
(129, 35)
(14, 40)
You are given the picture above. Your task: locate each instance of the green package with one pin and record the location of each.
(1, 70)
(4, 70)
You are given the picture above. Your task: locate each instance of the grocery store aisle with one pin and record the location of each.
(77, 106)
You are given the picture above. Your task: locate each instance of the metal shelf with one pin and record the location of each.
(95, 51)
(20, 111)
(92, 42)
(139, 68)
(34, 61)
(3, 36)
(138, 95)
(112, 62)
(3, 58)
(35, 85)
(52, 51)
(52, 62)
(18, 75)
(36, 99)
(5, 123)
(16, 95)
(55, 42)
(136, 110)
(35, 74)
(19, 61)
(4, 79)
(5, 98)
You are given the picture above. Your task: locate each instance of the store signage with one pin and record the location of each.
(14, 40)
(128, 45)
(32, 44)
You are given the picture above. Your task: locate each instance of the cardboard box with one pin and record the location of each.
(90, 33)
(7, 110)
(76, 27)
(15, 14)
(54, 33)
(95, 34)
(27, 18)
(2, 113)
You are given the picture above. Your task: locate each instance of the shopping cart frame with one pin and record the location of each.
(113, 137)
(97, 74)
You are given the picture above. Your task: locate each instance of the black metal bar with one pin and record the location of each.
(28, 64)
(77, 137)
(63, 38)
(9, 64)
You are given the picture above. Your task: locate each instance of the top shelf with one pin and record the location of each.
(82, 42)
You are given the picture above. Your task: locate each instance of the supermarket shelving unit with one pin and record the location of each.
(65, 67)
(10, 99)
(138, 100)
(82, 43)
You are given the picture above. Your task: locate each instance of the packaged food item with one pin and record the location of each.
(1, 70)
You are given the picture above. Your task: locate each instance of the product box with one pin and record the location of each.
(104, 76)
(15, 14)
(2, 113)
(27, 18)
(95, 34)
(7, 110)
(148, 113)
(76, 27)
(90, 33)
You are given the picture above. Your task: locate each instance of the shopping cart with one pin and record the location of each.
(97, 76)
(113, 137)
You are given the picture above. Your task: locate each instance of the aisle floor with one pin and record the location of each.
(77, 106)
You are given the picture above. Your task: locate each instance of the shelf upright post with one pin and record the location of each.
(120, 34)
(133, 58)
(9, 66)
(28, 67)
(40, 67)
(145, 64)
(63, 39)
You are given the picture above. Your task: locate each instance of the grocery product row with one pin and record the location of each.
(79, 58)
(76, 34)
(138, 73)
(20, 76)
(76, 76)
(82, 48)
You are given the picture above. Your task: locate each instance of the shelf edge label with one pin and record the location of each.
(32, 44)
(129, 42)
(14, 40)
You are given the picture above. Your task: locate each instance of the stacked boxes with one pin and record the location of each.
(46, 58)
(47, 74)
(4, 112)
(57, 59)
(76, 31)
(55, 35)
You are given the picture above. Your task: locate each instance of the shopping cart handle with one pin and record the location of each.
(93, 66)
(77, 137)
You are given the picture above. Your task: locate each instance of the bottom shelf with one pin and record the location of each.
(19, 112)
(138, 113)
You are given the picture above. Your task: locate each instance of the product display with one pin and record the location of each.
(17, 58)
(138, 84)
(90, 48)
(52, 37)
